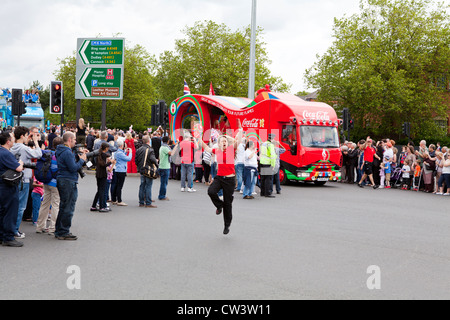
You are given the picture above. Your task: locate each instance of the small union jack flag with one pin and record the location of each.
(186, 88)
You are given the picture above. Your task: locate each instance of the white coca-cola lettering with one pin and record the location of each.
(319, 115)
(250, 123)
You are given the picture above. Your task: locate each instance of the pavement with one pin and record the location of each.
(307, 243)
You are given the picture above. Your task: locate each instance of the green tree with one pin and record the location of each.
(139, 93)
(384, 63)
(211, 52)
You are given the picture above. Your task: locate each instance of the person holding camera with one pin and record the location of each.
(103, 161)
(120, 172)
(22, 151)
(67, 181)
(9, 199)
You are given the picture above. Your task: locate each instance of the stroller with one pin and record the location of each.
(396, 178)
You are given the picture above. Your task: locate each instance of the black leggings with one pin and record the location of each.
(228, 185)
(100, 195)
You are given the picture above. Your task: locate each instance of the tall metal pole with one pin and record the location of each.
(103, 114)
(251, 78)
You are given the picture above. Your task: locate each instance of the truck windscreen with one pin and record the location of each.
(319, 137)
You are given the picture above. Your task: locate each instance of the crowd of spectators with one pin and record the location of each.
(382, 164)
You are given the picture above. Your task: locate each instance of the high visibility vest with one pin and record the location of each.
(268, 155)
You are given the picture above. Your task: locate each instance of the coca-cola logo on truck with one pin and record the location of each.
(319, 115)
(253, 123)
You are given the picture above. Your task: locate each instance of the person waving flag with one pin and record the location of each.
(186, 88)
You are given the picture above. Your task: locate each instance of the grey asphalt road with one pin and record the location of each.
(307, 243)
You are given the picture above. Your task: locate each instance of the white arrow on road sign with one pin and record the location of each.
(82, 51)
(83, 80)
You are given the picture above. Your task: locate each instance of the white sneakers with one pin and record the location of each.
(188, 190)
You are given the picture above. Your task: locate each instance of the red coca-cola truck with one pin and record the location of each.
(307, 130)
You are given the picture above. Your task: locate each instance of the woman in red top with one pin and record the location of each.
(226, 177)
(129, 141)
(369, 154)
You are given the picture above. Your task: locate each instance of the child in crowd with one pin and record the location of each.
(403, 155)
(36, 196)
(387, 171)
(416, 176)
(406, 180)
(382, 174)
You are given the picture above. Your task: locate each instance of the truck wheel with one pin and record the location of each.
(283, 177)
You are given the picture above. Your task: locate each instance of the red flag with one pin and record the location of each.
(211, 90)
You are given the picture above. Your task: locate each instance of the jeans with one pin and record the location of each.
(227, 185)
(36, 197)
(239, 175)
(68, 195)
(276, 180)
(187, 171)
(9, 207)
(117, 185)
(250, 177)
(107, 188)
(145, 191)
(164, 180)
(23, 200)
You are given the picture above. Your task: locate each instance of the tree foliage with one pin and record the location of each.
(211, 52)
(386, 64)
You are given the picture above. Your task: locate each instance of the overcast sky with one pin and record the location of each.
(34, 34)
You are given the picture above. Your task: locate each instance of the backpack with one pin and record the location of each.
(43, 172)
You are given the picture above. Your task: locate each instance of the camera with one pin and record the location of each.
(78, 150)
(92, 154)
(30, 165)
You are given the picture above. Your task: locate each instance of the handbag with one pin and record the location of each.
(149, 171)
(12, 177)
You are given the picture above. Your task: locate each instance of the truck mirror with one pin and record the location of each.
(293, 149)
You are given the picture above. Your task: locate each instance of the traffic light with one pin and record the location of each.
(17, 105)
(56, 97)
(345, 118)
(351, 123)
(152, 119)
(162, 110)
(166, 117)
(157, 115)
(406, 128)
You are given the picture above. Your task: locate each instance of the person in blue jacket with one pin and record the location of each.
(120, 172)
(67, 181)
(9, 199)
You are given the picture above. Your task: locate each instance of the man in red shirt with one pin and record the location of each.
(225, 178)
(187, 147)
(369, 154)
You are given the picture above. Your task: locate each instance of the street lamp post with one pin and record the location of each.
(251, 78)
